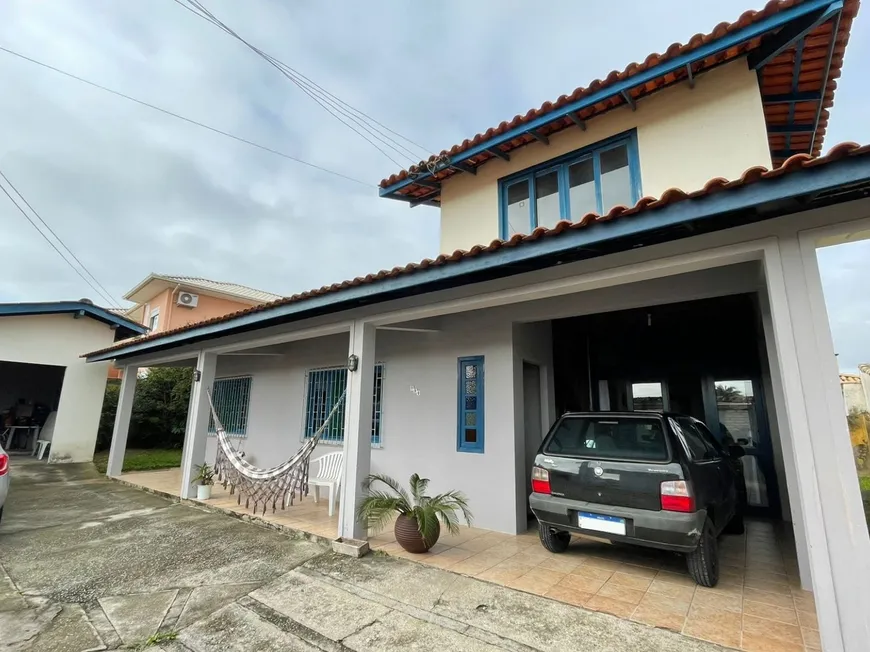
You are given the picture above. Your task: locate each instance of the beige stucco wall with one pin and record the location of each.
(60, 340)
(685, 138)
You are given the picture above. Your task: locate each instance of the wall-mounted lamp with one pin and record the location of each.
(197, 375)
(352, 363)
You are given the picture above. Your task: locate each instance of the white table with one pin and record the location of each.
(8, 434)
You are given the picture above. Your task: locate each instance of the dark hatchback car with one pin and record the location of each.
(656, 480)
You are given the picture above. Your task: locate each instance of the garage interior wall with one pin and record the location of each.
(33, 382)
(60, 340)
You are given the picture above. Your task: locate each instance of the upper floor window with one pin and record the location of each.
(591, 180)
(154, 321)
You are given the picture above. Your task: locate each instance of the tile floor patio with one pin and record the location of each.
(757, 606)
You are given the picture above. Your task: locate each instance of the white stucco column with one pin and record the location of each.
(122, 421)
(196, 432)
(838, 543)
(779, 415)
(357, 429)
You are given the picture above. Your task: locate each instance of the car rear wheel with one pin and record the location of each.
(553, 540)
(703, 562)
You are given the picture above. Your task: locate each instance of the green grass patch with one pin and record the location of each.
(142, 460)
(864, 481)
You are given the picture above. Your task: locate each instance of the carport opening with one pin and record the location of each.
(704, 358)
(29, 394)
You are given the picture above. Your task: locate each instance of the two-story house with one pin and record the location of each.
(645, 242)
(165, 302)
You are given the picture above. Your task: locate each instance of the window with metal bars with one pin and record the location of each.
(469, 431)
(232, 399)
(325, 387)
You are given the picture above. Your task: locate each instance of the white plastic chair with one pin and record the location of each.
(328, 474)
(44, 436)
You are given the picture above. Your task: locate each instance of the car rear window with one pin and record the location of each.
(618, 438)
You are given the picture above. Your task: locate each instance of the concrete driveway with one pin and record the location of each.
(89, 564)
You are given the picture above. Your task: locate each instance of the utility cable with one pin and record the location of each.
(335, 106)
(336, 113)
(98, 288)
(308, 82)
(185, 119)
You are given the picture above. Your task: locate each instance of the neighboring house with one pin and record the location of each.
(165, 302)
(648, 240)
(856, 390)
(42, 372)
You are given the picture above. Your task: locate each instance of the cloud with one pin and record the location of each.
(133, 191)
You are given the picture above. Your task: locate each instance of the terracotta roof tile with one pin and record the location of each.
(848, 379)
(669, 197)
(777, 77)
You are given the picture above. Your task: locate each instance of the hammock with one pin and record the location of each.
(262, 486)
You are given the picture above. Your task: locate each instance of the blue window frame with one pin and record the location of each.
(470, 430)
(591, 180)
(324, 388)
(232, 399)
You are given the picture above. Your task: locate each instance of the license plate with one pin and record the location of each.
(601, 523)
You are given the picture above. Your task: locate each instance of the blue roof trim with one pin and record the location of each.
(806, 182)
(747, 33)
(72, 307)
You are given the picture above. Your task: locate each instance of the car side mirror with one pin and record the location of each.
(736, 451)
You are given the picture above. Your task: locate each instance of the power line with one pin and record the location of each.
(301, 80)
(185, 119)
(98, 288)
(329, 107)
(331, 103)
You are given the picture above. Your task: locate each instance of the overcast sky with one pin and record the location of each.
(133, 191)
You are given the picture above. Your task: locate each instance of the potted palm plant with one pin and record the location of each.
(420, 517)
(203, 480)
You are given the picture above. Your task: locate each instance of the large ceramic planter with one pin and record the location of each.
(203, 491)
(408, 535)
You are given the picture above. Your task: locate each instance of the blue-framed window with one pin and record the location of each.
(591, 180)
(232, 400)
(470, 432)
(324, 388)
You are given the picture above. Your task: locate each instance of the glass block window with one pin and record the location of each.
(232, 399)
(325, 387)
(470, 432)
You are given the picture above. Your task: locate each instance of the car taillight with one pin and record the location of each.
(4, 463)
(676, 497)
(540, 480)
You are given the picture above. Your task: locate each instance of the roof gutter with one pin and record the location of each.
(76, 308)
(747, 33)
(511, 259)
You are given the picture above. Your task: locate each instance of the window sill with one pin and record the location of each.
(230, 435)
(339, 444)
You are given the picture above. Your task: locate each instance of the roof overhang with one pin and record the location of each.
(785, 191)
(792, 49)
(154, 284)
(75, 308)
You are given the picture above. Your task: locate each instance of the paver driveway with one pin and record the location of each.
(89, 564)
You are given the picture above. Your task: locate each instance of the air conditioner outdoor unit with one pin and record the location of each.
(187, 299)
